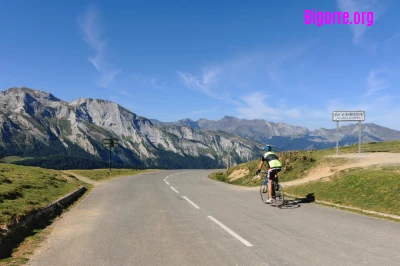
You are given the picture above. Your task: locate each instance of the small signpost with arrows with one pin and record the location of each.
(110, 144)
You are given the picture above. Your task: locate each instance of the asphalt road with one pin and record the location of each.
(188, 219)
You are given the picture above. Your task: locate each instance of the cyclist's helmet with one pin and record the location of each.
(267, 148)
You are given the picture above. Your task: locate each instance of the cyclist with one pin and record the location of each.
(274, 167)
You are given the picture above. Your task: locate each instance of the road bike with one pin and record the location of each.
(277, 190)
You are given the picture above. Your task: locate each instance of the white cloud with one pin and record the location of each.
(206, 83)
(392, 38)
(123, 92)
(256, 107)
(375, 83)
(152, 81)
(275, 61)
(378, 7)
(198, 112)
(122, 101)
(91, 29)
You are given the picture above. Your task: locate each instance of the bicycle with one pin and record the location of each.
(277, 191)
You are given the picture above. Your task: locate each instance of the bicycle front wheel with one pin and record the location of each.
(264, 192)
(279, 200)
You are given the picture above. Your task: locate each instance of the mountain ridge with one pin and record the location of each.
(30, 120)
(283, 135)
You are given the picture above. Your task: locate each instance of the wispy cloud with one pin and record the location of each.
(258, 108)
(206, 83)
(198, 112)
(123, 92)
(152, 81)
(377, 6)
(375, 81)
(228, 80)
(392, 38)
(276, 61)
(91, 30)
(381, 108)
(158, 84)
(123, 102)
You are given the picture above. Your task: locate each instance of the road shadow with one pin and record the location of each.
(295, 203)
(308, 199)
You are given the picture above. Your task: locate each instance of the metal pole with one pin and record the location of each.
(337, 137)
(111, 145)
(228, 162)
(110, 158)
(359, 137)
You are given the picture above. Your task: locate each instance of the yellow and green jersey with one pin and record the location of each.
(272, 160)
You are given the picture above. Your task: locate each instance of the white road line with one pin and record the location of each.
(191, 202)
(166, 182)
(174, 190)
(231, 232)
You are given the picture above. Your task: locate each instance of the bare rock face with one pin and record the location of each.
(288, 137)
(35, 123)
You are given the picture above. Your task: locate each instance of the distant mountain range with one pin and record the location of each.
(34, 123)
(288, 137)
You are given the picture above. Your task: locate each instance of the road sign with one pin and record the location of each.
(348, 116)
(110, 144)
(340, 116)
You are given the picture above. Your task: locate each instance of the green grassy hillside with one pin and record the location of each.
(296, 164)
(25, 189)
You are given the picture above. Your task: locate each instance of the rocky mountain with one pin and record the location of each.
(35, 123)
(288, 137)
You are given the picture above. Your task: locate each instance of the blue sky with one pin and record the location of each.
(171, 60)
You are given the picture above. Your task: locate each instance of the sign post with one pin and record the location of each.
(359, 137)
(110, 144)
(337, 137)
(348, 116)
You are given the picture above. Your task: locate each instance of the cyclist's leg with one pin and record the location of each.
(275, 175)
(269, 184)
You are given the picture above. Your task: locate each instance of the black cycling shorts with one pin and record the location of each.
(272, 172)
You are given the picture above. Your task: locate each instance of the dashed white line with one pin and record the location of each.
(191, 202)
(244, 241)
(166, 182)
(174, 190)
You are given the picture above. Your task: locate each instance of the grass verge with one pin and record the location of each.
(376, 189)
(25, 189)
(104, 174)
(25, 250)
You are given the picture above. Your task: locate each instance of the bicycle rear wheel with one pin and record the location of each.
(278, 193)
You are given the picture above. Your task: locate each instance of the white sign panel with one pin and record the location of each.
(348, 115)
